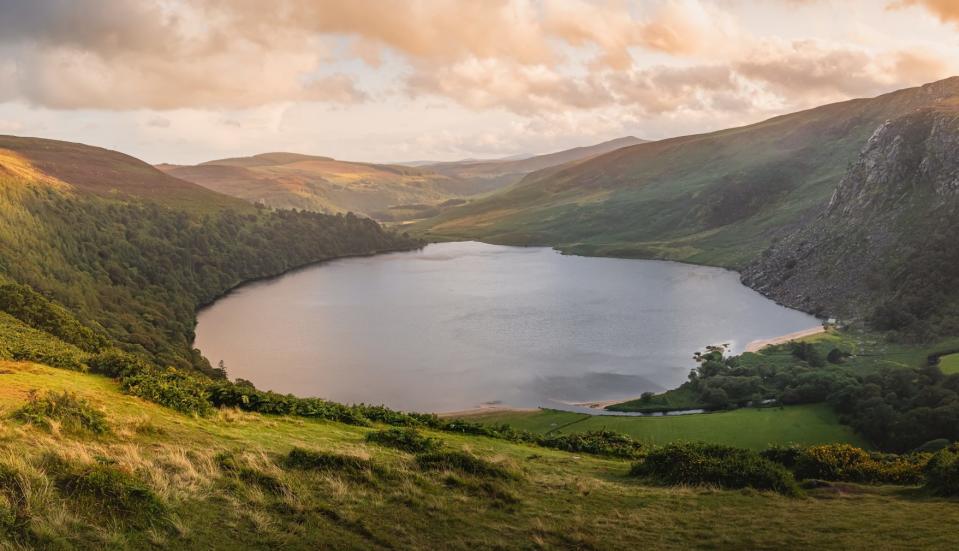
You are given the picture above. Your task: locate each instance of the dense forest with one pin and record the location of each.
(135, 272)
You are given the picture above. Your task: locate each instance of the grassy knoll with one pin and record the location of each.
(177, 481)
(746, 428)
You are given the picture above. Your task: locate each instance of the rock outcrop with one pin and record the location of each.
(893, 208)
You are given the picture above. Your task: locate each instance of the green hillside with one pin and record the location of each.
(718, 198)
(153, 478)
(105, 239)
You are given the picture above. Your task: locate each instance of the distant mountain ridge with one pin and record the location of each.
(495, 174)
(383, 191)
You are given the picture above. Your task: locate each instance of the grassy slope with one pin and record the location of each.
(564, 501)
(745, 428)
(715, 198)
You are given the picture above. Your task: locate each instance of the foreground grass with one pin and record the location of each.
(223, 483)
(744, 428)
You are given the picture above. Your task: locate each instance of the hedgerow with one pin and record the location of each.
(711, 464)
(846, 463)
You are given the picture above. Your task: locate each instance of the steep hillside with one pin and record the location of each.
(718, 198)
(485, 176)
(93, 170)
(886, 238)
(97, 244)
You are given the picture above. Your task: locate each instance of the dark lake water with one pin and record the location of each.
(457, 325)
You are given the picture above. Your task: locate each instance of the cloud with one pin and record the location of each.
(548, 63)
(10, 126)
(113, 54)
(946, 10)
(159, 122)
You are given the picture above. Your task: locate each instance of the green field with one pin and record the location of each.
(747, 428)
(949, 364)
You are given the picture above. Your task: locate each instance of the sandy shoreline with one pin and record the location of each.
(756, 346)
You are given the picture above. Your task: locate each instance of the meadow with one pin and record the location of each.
(229, 481)
(749, 428)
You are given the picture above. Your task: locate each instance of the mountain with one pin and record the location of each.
(490, 175)
(719, 198)
(97, 171)
(884, 247)
(385, 192)
(321, 184)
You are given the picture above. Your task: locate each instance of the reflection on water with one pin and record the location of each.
(460, 324)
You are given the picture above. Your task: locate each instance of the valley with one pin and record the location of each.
(305, 416)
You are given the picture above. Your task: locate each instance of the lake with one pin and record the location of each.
(457, 325)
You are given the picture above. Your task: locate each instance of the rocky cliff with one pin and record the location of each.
(888, 236)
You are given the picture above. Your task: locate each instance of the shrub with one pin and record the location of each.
(71, 411)
(406, 439)
(116, 364)
(170, 388)
(723, 466)
(942, 472)
(599, 442)
(843, 462)
(462, 462)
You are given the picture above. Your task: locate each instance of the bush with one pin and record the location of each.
(842, 462)
(171, 388)
(116, 364)
(942, 472)
(464, 463)
(599, 442)
(71, 411)
(723, 466)
(406, 439)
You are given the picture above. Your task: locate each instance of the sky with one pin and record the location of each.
(185, 81)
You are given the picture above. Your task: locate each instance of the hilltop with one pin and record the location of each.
(96, 171)
(387, 192)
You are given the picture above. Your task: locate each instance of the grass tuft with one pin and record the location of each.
(65, 409)
(463, 462)
(405, 439)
